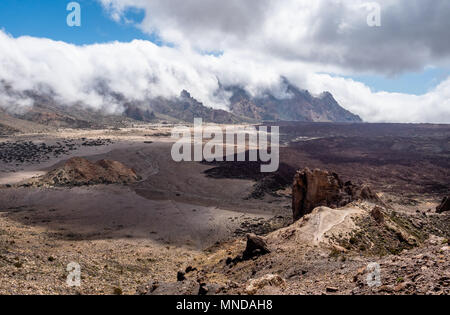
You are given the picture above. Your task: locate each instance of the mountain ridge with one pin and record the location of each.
(297, 105)
(292, 104)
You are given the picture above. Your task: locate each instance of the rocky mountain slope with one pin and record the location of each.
(294, 105)
(186, 108)
(327, 251)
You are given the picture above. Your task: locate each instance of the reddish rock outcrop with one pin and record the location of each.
(79, 172)
(377, 215)
(256, 246)
(444, 206)
(315, 188)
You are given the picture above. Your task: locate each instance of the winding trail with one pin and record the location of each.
(329, 219)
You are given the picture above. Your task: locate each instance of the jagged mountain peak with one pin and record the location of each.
(294, 104)
(185, 94)
(288, 103)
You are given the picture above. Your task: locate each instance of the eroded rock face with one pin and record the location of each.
(377, 215)
(256, 246)
(79, 172)
(444, 206)
(315, 188)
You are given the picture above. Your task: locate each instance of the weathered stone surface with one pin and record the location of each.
(315, 188)
(256, 246)
(377, 215)
(444, 206)
(364, 193)
(181, 276)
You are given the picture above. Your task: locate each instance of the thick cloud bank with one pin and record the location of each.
(413, 33)
(260, 41)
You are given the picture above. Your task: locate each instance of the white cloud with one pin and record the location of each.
(328, 32)
(261, 41)
(432, 107)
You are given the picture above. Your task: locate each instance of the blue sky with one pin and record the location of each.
(416, 83)
(45, 18)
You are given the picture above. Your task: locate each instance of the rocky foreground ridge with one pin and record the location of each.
(294, 105)
(339, 231)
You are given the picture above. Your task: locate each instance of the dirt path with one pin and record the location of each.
(329, 220)
(314, 228)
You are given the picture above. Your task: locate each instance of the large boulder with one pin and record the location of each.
(444, 206)
(315, 188)
(256, 246)
(377, 215)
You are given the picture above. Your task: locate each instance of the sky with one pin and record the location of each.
(40, 18)
(395, 71)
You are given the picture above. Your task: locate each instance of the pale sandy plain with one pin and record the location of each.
(122, 236)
